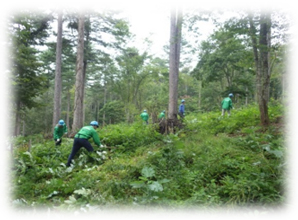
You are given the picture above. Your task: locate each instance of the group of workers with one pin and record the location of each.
(226, 106)
(80, 139)
(145, 116)
(89, 131)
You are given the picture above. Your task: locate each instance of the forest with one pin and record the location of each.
(84, 66)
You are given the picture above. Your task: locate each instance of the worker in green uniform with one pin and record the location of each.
(144, 115)
(59, 130)
(226, 105)
(162, 115)
(81, 140)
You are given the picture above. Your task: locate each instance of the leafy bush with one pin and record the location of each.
(129, 137)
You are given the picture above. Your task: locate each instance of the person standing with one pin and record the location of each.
(81, 140)
(59, 130)
(144, 115)
(226, 105)
(182, 109)
(162, 115)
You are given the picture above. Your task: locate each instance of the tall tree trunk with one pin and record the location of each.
(84, 80)
(175, 41)
(262, 64)
(246, 96)
(264, 73)
(104, 102)
(58, 75)
(24, 128)
(68, 107)
(200, 94)
(79, 85)
(17, 119)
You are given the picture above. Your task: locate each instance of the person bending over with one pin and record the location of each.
(81, 140)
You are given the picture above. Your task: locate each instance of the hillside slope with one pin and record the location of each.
(212, 162)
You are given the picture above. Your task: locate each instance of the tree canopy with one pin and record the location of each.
(118, 75)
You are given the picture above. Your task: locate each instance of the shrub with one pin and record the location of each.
(127, 137)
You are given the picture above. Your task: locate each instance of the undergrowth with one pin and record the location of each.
(214, 161)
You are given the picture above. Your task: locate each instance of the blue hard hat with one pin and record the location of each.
(145, 110)
(182, 100)
(94, 123)
(61, 122)
(231, 95)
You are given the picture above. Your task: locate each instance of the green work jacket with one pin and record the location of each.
(87, 132)
(59, 131)
(226, 103)
(144, 116)
(162, 115)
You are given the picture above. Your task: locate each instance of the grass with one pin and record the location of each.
(213, 161)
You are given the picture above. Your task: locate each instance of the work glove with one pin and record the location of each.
(102, 146)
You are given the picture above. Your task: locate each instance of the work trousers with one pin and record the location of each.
(225, 110)
(57, 143)
(181, 115)
(77, 144)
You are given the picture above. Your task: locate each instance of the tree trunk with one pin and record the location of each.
(246, 96)
(24, 128)
(16, 131)
(104, 102)
(264, 73)
(200, 94)
(58, 75)
(262, 64)
(84, 80)
(68, 108)
(79, 85)
(175, 40)
(17, 119)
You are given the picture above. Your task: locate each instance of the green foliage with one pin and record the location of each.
(241, 118)
(148, 185)
(127, 137)
(113, 111)
(27, 31)
(212, 162)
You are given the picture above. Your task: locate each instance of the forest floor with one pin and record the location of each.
(212, 162)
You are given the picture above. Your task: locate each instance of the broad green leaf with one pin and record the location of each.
(143, 178)
(28, 153)
(266, 147)
(68, 169)
(164, 181)
(137, 184)
(52, 194)
(71, 200)
(83, 191)
(155, 186)
(148, 172)
(277, 153)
